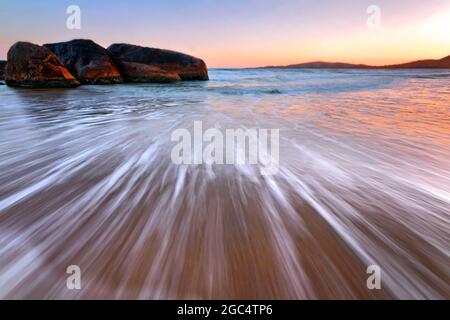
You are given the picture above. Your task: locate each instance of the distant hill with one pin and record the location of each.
(443, 63)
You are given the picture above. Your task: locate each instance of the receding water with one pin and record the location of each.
(86, 179)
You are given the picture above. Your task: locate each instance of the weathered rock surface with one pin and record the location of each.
(141, 73)
(69, 64)
(2, 70)
(87, 61)
(186, 66)
(33, 66)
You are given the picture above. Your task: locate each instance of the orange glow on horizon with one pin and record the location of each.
(253, 33)
(425, 39)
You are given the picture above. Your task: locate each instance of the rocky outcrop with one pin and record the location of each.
(33, 66)
(2, 70)
(142, 73)
(187, 67)
(87, 61)
(69, 64)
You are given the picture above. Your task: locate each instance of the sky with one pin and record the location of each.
(243, 33)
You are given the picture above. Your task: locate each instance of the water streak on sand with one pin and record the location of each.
(86, 179)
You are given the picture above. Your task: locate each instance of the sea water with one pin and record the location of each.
(86, 179)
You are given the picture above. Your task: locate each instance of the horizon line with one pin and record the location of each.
(269, 65)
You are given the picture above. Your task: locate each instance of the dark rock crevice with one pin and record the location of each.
(87, 61)
(2, 70)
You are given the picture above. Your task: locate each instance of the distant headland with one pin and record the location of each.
(443, 63)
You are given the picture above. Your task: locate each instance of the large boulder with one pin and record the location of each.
(186, 66)
(2, 69)
(33, 66)
(87, 61)
(141, 73)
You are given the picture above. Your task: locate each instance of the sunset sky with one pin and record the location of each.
(241, 33)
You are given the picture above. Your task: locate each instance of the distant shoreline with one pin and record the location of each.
(317, 68)
(443, 63)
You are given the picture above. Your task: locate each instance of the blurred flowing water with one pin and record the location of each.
(86, 179)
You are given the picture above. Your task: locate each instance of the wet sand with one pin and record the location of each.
(86, 179)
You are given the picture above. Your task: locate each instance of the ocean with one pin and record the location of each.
(86, 179)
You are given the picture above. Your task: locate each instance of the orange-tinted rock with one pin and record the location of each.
(139, 72)
(87, 61)
(186, 66)
(33, 66)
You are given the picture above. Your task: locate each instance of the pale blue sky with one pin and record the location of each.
(236, 32)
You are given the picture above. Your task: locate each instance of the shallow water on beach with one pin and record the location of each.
(86, 179)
